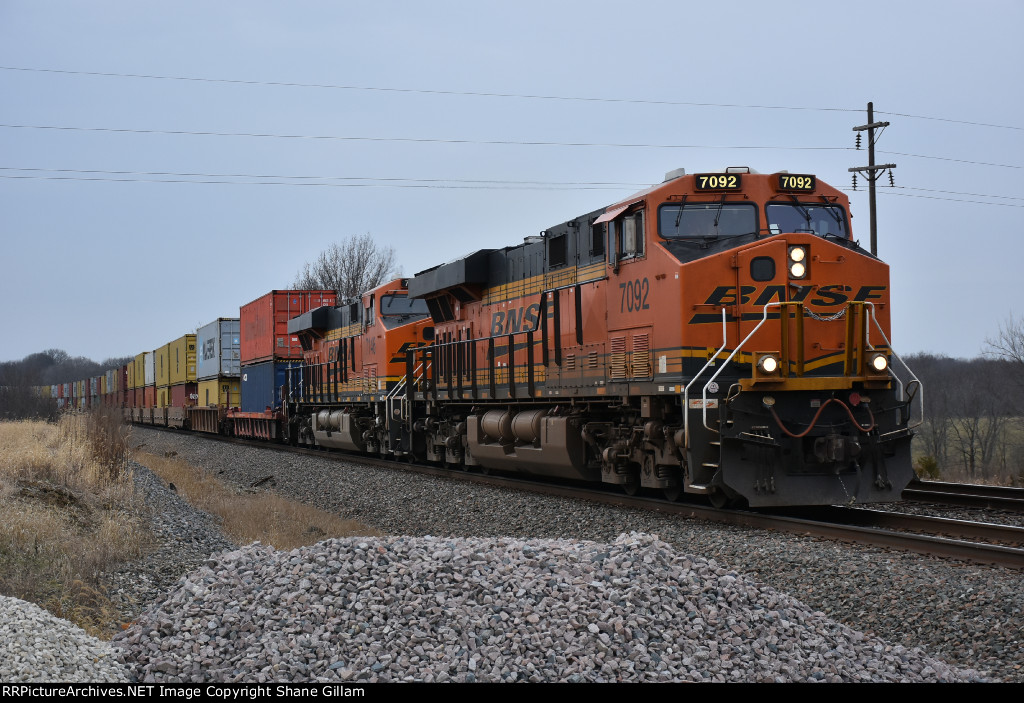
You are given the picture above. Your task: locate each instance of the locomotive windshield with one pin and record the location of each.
(403, 305)
(706, 220)
(398, 310)
(817, 218)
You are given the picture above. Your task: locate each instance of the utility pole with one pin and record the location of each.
(871, 170)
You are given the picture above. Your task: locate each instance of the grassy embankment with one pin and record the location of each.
(69, 511)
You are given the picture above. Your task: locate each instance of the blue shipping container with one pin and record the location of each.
(261, 384)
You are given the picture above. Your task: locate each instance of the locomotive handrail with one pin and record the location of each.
(686, 388)
(920, 386)
(764, 318)
(735, 351)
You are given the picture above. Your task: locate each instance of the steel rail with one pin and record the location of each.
(975, 552)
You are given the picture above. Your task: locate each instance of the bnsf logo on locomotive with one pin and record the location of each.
(825, 296)
(515, 320)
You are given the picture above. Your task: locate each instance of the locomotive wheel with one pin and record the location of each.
(632, 484)
(672, 493)
(718, 499)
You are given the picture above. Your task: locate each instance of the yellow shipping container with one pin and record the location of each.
(181, 360)
(103, 384)
(131, 376)
(161, 366)
(140, 370)
(163, 396)
(225, 391)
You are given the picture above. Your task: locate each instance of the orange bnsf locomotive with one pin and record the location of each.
(718, 334)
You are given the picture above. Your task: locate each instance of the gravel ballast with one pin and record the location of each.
(868, 613)
(495, 610)
(36, 647)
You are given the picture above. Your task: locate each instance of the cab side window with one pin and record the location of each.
(632, 240)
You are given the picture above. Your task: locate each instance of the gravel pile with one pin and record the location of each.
(185, 538)
(36, 647)
(965, 614)
(495, 610)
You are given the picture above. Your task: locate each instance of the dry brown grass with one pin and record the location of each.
(252, 515)
(68, 512)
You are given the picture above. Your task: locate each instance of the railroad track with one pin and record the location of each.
(967, 495)
(941, 537)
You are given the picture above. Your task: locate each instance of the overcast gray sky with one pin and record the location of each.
(444, 127)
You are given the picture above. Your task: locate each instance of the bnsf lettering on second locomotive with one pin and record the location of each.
(519, 319)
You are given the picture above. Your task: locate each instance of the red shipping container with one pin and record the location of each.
(184, 395)
(149, 397)
(264, 323)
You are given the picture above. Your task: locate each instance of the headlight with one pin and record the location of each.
(797, 262)
(878, 363)
(768, 364)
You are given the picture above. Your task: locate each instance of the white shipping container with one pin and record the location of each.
(218, 349)
(150, 363)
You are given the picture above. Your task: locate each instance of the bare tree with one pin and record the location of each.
(934, 433)
(1009, 343)
(349, 267)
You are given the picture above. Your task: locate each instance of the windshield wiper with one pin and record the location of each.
(679, 217)
(805, 211)
(721, 205)
(833, 210)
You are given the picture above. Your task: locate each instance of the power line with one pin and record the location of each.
(522, 96)
(425, 183)
(945, 158)
(956, 192)
(439, 186)
(416, 139)
(890, 191)
(335, 178)
(947, 119)
(388, 179)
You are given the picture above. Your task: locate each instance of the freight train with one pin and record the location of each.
(719, 334)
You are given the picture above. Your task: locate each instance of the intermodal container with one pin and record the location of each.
(149, 397)
(261, 384)
(161, 366)
(221, 391)
(130, 376)
(149, 370)
(181, 360)
(264, 324)
(139, 370)
(184, 395)
(219, 349)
